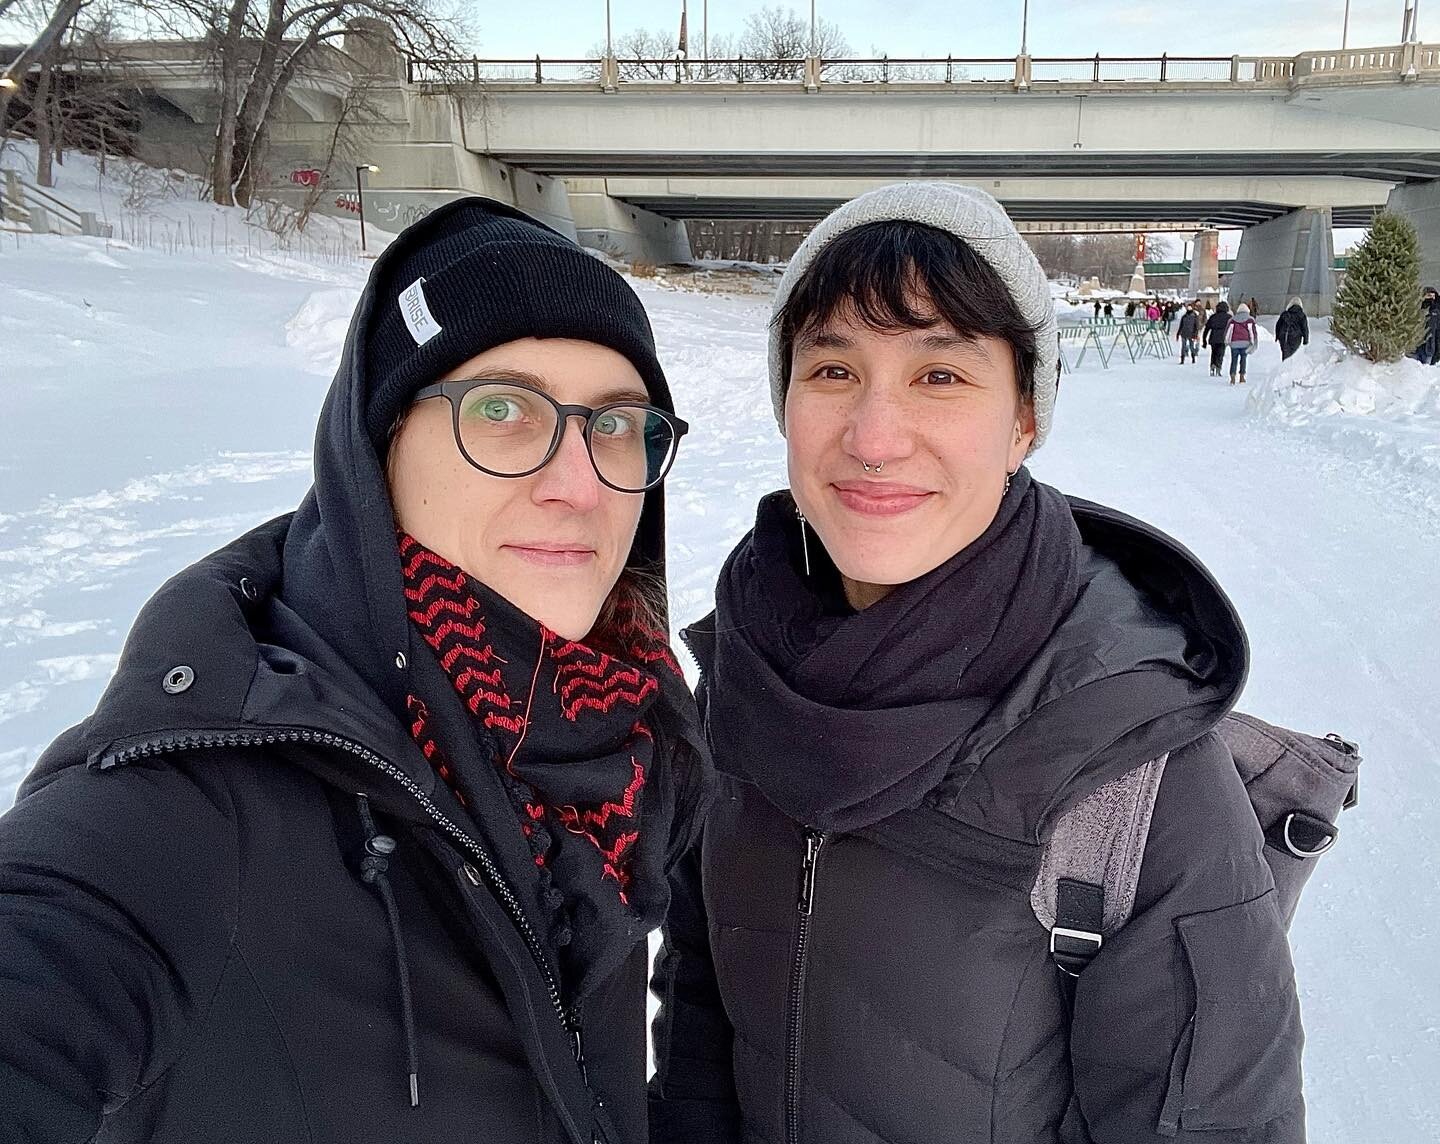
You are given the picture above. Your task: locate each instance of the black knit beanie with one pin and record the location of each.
(474, 274)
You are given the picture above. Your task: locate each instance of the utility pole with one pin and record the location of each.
(1345, 28)
(1025, 28)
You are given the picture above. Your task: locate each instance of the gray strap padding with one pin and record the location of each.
(1101, 840)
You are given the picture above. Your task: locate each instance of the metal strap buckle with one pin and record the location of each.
(1082, 956)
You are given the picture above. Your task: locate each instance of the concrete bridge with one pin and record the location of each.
(621, 153)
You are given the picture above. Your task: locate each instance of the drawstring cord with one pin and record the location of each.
(373, 867)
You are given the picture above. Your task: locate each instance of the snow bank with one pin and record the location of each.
(319, 327)
(151, 208)
(1381, 414)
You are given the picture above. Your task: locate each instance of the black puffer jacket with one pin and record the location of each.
(1292, 329)
(911, 999)
(194, 945)
(1216, 325)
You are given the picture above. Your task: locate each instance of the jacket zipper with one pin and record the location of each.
(814, 840)
(488, 869)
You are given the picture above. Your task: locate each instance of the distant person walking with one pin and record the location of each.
(1254, 307)
(1292, 329)
(1189, 335)
(1242, 335)
(1152, 312)
(1109, 310)
(1428, 351)
(1130, 309)
(1097, 307)
(1215, 327)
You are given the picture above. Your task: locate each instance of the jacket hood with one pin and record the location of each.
(303, 620)
(1149, 658)
(341, 570)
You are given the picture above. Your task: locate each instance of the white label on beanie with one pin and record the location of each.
(418, 319)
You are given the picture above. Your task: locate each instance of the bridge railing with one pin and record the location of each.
(898, 70)
(1399, 61)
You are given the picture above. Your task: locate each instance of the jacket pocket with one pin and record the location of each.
(1238, 1061)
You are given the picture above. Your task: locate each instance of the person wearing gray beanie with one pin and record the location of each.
(920, 658)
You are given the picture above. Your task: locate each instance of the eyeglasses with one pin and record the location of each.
(510, 429)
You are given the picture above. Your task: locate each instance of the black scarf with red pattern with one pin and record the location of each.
(572, 731)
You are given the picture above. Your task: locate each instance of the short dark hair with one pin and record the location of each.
(898, 275)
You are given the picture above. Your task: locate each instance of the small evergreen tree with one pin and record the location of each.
(1377, 310)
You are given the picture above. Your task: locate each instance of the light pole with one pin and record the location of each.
(609, 45)
(814, 40)
(360, 197)
(1345, 28)
(1025, 28)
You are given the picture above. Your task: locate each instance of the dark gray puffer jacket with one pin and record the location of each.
(893, 985)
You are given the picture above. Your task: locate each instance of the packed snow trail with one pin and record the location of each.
(159, 404)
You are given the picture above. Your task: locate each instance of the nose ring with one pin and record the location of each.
(872, 468)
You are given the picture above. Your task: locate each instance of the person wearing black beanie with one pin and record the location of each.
(365, 837)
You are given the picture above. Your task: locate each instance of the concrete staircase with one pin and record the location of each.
(23, 205)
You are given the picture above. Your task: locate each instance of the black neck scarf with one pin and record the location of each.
(844, 718)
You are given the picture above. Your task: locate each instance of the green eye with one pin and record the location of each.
(614, 424)
(499, 409)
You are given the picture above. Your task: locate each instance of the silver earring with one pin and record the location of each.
(804, 541)
(1006, 489)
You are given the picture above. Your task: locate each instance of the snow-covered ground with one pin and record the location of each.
(158, 403)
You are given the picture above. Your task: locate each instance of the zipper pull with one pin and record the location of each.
(814, 839)
(578, 1033)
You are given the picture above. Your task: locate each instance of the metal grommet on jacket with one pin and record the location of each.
(178, 679)
(248, 589)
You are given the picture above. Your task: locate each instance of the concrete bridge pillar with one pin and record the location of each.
(1288, 257)
(619, 229)
(1420, 203)
(1205, 262)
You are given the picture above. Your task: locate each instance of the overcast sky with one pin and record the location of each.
(969, 28)
(567, 28)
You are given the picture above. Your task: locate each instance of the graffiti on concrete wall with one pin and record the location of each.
(402, 214)
(306, 176)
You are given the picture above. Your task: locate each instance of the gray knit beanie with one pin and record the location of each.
(970, 214)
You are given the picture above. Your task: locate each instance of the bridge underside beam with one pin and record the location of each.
(1217, 201)
(1384, 166)
(1182, 215)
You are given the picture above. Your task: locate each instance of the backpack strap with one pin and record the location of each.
(1090, 866)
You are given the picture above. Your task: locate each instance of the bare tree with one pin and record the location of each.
(260, 47)
(776, 42)
(641, 54)
(1109, 257)
(18, 69)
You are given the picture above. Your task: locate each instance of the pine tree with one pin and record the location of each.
(1377, 310)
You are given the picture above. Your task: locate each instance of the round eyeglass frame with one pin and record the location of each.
(455, 391)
